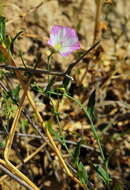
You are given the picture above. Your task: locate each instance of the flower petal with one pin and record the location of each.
(55, 35)
(64, 37)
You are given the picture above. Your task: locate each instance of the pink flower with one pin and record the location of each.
(64, 40)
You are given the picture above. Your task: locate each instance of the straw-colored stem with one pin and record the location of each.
(10, 141)
(97, 31)
(24, 161)
(15, 121)
(4, 167)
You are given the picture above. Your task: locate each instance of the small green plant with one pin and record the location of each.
(81, 172)
(8, 107)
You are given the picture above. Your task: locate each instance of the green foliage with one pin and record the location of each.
(56, 134)
(91, 105)
(103, 174)
(24, 125)
(81, 172)
(2, 29)
(117, 187)
(15, 92)
(2, 36)
(36, 88)
(50, 84)
(66, 83)
(53, 132)
(7, 42)
(4, 39)
(8, 98)
(8, 109)
(2, 73)
(76, 153)
(2, 144)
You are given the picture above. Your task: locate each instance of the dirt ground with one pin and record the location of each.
(106, 69)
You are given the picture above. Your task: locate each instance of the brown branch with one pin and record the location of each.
(70, 67)
(62, 74)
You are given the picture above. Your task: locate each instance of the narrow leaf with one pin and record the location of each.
(15, 92)
(117, 187)
(102, 173)
(51, 82)
(82, 173)
(2, 28)
(91, 104)
(76, 153)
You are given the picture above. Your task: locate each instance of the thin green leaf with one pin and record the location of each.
(57, 135)
(24, 125)
(82, 173)
(53, 132)
(66, 83)
(51, 82)
(76, 153)
(117, 187)
(91, 105)
(2, 36)
(102, 173)
(36, 88)
(2, 29)
(15, 92)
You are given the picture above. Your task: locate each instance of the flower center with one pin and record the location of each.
(58, 47)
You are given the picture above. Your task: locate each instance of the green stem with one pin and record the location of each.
(94, 133)
(91, 124)
(60, 128)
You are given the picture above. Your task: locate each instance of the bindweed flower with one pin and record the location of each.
(64, 40)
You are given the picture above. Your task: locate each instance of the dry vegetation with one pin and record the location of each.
(105, 69)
